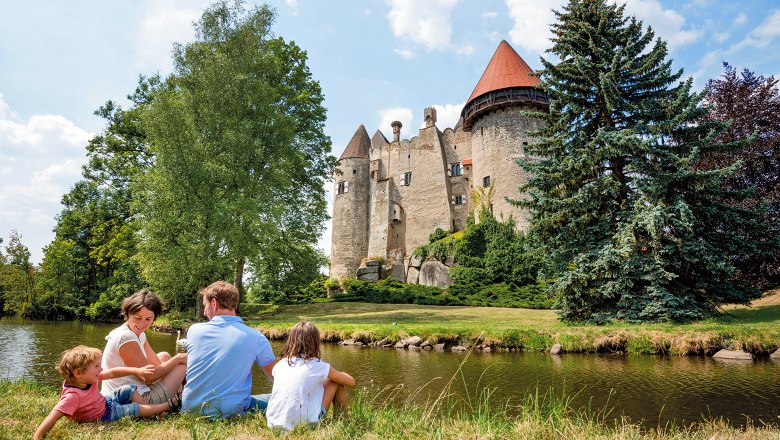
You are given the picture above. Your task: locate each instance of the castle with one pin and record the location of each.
(389, 196)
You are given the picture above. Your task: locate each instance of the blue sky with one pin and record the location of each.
(377, 61)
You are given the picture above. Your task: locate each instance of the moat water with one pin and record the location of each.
(651, 390)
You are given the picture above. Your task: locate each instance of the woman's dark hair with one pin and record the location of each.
(139, 300)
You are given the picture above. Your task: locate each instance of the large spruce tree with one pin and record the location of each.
(635, 232)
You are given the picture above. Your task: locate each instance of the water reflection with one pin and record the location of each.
(655, 390)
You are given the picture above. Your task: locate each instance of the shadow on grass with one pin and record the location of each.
(752, 315)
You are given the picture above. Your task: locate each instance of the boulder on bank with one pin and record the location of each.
(556, 349)
(733, 354)
(413, 340)
(459, 348)
(775, 355)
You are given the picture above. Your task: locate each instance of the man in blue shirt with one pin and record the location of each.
(220, 354)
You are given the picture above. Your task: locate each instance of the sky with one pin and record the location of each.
(376, 60)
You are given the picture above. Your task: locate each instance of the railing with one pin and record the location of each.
(502, 98)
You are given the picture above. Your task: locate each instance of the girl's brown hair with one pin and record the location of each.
(303, 342)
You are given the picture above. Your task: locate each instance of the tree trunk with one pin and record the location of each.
(238, 276)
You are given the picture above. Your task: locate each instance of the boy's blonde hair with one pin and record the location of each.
(77, 358)
(303, 342)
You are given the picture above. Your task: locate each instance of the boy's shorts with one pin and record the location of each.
(120, 404)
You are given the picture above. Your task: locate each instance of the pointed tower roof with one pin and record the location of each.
(358, 146)
(506, 80)
(506, 69)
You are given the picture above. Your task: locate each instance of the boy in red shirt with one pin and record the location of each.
(81, 401)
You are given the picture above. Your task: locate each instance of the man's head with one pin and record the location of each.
(219, 297)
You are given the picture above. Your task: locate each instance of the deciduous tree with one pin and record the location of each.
(240, 154)
(750, 105)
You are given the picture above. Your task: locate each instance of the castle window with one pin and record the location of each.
(455, 169)
(486, 181)
(342, 187)
(406, 179)
(354, 171)
(459, 200)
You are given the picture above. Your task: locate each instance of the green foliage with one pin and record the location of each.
(240, 160)
(632, 229)
(437, 234)
(292, 294)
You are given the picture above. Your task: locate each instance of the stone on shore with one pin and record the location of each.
(733, 354)
(413, 340)
(775, 355)
(556, 349)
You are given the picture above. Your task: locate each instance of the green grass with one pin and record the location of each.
(753, 329)
(372, 415)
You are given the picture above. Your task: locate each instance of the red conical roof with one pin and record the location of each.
(505, 70)
(358, 146)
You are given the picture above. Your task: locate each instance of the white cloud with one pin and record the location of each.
(763, 35)
(667, 23)
(721, 37)
(401, 114)
(491, 14)
(770, 28)
(447, 115)
(467, 50)
(164, 22)
(428, 23)
(293, 5)
(532, 20)
(42, 158)
(404, 53)
(740, 19)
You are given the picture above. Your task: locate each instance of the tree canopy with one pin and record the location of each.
(750, 105)
(633, 230)
(240, 154)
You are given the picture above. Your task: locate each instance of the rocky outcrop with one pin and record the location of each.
(435, 273)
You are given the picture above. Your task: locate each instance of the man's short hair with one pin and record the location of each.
(225, 293)
(77, 358)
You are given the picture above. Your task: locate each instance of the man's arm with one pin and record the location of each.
(47, 424)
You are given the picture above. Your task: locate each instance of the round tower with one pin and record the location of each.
(493, 115)
(351, 196)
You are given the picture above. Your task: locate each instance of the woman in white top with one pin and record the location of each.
(304, 387)
(126, 346)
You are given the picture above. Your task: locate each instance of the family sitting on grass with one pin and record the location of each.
(212, 379)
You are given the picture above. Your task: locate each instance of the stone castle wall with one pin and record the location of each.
(390, 220)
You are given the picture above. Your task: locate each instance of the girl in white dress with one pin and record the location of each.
(304, 387)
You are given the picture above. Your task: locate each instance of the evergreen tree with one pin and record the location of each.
(633, 230)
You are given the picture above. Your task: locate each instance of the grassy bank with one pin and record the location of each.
(754, 329)
(370, 417)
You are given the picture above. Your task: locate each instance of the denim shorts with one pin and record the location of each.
(120, 404)
(258, 403)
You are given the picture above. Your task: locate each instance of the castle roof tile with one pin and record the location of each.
(505, 70)
(358, 146)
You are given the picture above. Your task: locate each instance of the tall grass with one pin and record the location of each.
(375, 414)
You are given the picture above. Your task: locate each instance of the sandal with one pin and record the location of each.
(174, 403)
